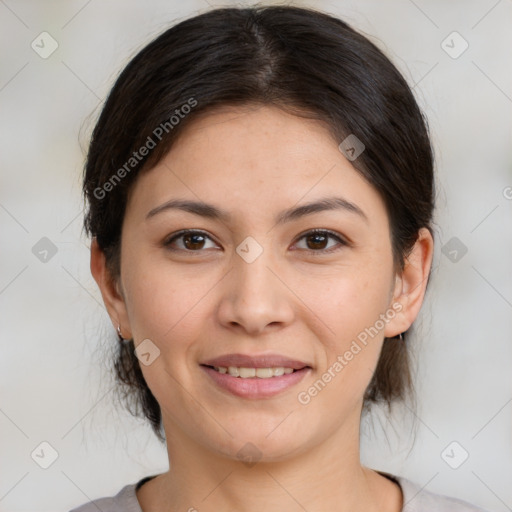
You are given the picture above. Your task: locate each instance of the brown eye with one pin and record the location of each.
(318, 241)
(191, 241)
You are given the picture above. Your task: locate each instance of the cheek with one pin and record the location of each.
(347, 301)
(351, 346)
(350, 305)
(164, 305)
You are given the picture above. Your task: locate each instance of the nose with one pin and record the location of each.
(255, 297)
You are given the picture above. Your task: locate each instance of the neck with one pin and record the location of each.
(327, 477)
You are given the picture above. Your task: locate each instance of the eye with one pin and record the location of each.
(191, 241)
(318, 238)
(195, 241)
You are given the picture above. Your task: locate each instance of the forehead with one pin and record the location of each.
(258, 137)
(249, 158)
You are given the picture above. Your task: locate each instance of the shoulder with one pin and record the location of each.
(417, 499)
(124, 501)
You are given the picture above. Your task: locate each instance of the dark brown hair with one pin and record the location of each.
(306, 62)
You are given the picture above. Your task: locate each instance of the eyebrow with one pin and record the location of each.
(213, 212)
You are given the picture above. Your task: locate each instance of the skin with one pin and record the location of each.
(307, 305)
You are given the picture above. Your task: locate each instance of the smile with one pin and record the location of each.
(254, 383)
(249, 373)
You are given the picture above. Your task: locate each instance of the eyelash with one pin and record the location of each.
(319, 252)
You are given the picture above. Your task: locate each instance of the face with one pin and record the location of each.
(257, 281)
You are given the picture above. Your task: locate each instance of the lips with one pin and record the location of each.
(289, 372)
(262, 361)
(255, 388)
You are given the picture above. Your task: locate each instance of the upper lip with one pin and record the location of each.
(262, 361)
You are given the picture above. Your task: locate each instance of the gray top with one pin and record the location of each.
(416, 499)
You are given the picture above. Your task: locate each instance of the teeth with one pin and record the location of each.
(245, 373)
(248, 373)
(263, 373)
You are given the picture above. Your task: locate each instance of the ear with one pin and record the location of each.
(110, 290)
(411, 284)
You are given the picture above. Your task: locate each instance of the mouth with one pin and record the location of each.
(255, 377)
(244, 372)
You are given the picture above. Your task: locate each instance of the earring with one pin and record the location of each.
(119, 335)
(400, 337)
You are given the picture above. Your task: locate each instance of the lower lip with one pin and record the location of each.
(255, 387)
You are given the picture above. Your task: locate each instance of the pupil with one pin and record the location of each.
(318, 236)
(194, 244)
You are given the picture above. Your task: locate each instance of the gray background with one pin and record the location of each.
(56, 335)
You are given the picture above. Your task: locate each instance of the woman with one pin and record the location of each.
(260, 195)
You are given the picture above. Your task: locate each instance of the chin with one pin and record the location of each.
(257, 446)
